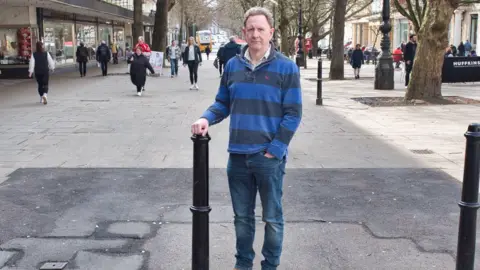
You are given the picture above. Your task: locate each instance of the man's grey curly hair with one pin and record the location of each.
(255, 11)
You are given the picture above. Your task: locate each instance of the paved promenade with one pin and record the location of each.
(102, 179)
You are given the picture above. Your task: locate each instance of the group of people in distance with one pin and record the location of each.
(41, 64)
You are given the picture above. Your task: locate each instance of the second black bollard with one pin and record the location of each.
(319, 82)
(469, 203)
(200, 209)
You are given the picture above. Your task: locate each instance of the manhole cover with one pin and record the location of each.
(53, 266)
(422, 151)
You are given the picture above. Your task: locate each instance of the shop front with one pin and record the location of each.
(61, 34)
(18, 34)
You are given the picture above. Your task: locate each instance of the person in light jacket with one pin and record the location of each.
(192, 57)
(40, 64)
(138, 70)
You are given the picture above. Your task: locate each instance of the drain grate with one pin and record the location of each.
(422, 151)
(53, 266)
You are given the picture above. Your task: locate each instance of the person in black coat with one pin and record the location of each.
(208, 51)
(103, 57)
(409, 56)
(138, 70)
(82, 59)
(357, 60)
(461, 50)
(192, 57)
(221, 64)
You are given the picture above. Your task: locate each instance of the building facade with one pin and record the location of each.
(464, 26)
(61, 25)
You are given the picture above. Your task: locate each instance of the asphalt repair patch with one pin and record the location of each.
(78, 207)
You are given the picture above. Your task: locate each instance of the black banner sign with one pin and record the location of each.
(461, 69)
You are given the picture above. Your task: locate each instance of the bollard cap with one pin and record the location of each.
(473, 132)
(197, 138)
(474, 127)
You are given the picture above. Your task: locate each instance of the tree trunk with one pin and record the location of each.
(182, 13)
(283, 27)
(426, 76)
(337, 63)
(160, 28)
(137, 29)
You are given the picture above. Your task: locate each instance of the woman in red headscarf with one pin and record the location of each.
(144, 46)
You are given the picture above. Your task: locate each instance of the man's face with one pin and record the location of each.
(173, 43)
(258, 32)
(414, 39)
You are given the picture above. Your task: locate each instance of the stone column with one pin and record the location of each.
(457, 30)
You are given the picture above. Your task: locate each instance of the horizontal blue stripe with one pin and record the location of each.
(254, 122)
(291, 122)
(293, 96)
(255, 91)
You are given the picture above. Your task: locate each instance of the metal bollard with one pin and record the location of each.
(469, 203)
(200, 209)
(319, 83)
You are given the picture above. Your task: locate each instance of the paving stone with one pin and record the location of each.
(94, 261)
(5, 256)
(336, 246)
(42, 250)
(138, 229)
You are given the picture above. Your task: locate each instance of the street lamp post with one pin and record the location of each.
(299, 59)
(384, 69)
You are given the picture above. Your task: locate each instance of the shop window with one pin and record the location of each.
(16, 45)
(58, 41)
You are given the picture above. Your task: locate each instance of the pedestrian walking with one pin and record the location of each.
(261, 92)
(193, 58)
(231, 49)
(103, 57)
(41, 63)
(82, 59)
(115, 52)
(139, 64)
(357, 60)
(173, 55)
(208, 51)
(409, 57)
(221, 64)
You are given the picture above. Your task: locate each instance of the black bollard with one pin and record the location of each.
(469, 203)
(200, 208)
(319, 83)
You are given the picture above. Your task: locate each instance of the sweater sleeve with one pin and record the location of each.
(292, 113)
(220, 109)
(31, 65)
(51, 63)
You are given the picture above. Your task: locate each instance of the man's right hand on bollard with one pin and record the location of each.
(200, 127)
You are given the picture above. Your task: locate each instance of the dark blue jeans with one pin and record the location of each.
(246, 175)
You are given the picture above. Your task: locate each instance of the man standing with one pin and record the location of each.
(260, 89)
(409, 56)
(173, 54)
(103, 57)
